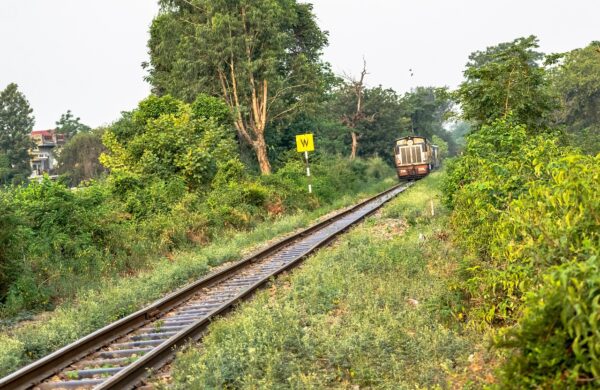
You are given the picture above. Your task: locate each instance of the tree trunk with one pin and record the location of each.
(260, 148)
(352, 121)
(354, 145)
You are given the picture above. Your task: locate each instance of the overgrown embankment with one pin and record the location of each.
(526, 210)
(116, 297)
(372, 311)
(176, 180)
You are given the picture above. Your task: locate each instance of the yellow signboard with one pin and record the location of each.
(305, 143)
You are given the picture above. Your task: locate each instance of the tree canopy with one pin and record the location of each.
(69, 125)
(577, 83)
(262, 57)
(507, 78)
(16, 123)
(165, 137)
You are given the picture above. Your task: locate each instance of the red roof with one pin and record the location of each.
(48, 132)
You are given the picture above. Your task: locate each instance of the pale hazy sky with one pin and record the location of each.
(86, 55)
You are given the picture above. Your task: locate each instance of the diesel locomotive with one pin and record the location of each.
(415, 157)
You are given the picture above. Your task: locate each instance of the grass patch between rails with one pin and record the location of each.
(374, 310)
(24, 342)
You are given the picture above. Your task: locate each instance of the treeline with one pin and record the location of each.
(210, 151)
(526, 210)
(175, 179)
(263, 58)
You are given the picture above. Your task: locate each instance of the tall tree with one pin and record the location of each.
(577, 82)
(261, 56)
(428, 108)
(388, 120)
(70, 125)
(79, 157)
(16, 123)
(507, 78)
(355, 116)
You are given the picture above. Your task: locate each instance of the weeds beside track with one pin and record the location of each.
(140, 342)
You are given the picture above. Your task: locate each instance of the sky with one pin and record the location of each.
(86, 55)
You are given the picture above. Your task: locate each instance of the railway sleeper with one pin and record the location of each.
(82, 384)
(124, 352)
(94, 372)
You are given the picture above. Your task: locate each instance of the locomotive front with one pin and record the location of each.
(414, 157)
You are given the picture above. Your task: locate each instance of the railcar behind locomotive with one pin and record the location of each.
(415, 157)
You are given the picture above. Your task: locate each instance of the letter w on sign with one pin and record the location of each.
(305, 143)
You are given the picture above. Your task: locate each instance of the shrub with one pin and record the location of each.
(558, 338)
(527, 212)
(554, 230)
(58, 240)
(498, 164)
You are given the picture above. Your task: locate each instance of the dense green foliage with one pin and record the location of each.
(261, 57)
(78, 159)
(16, 123)
(102, 301)
(526, 211)
(550, 240)
(507, 78)
(386, 116)
(577, 83)
(165, 139)
(61, 240)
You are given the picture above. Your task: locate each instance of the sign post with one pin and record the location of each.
(305, 143)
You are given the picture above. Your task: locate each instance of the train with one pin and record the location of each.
(415, 156)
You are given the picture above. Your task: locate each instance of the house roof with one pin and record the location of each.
(48, 132)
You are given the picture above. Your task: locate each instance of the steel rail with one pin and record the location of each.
(54, 363)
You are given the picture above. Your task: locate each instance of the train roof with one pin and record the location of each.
(414, 136)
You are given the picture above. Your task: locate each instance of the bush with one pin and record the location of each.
(552, 236)
(60, 240)
(527, 213)
(558, 338)
(499, 162)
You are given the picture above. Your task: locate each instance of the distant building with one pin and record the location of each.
(43, 155)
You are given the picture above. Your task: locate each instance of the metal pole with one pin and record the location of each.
(308, 173)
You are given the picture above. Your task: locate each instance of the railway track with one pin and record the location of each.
(122, 354)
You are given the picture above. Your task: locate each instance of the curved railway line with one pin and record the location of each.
(122, 354)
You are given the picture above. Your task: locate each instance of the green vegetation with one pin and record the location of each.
(102, 301)
(507, 78)
(525, 210)
(372, 311)
(577, 83)
(384, 116)
(261, 57)
(16, 123)
(78, 160)
(205, 167)
(61, 240)
(69, 125)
